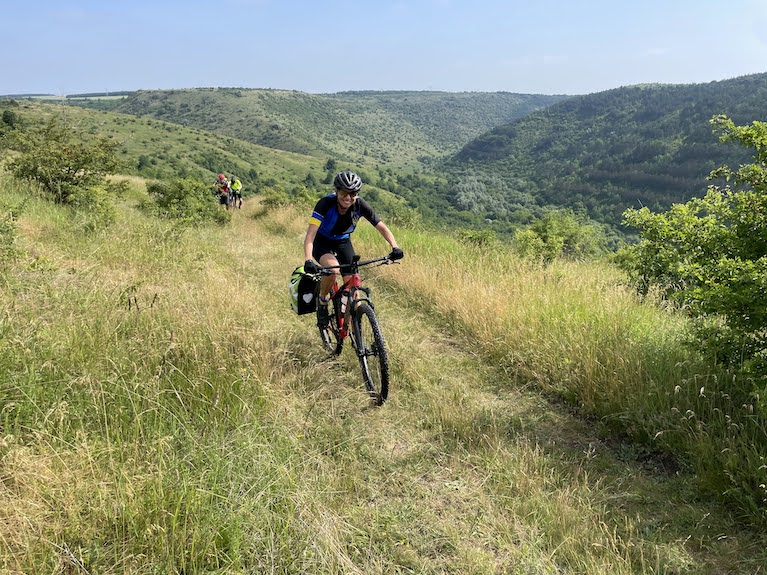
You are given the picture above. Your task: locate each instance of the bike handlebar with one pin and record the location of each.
(327, 270)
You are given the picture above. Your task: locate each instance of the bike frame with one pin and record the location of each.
(359, 323)
(351, 286)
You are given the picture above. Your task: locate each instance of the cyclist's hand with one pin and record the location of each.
(396, 254)
(310, 267)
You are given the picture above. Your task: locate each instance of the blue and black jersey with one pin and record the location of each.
(335, 226)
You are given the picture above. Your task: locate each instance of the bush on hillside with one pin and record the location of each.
(709, 256)
(64, 162)
(7, 235)
(275, 196)
(480, 238)
(10, 120)
(560, 234)
(93, 208)
(186, 200)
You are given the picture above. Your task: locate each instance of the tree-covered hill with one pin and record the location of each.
(364, 127)
(644, 145)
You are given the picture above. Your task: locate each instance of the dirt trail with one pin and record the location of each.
(465, 470)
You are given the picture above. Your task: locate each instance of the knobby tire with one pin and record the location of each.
(371, 351)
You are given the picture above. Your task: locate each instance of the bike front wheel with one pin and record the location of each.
(371, 351)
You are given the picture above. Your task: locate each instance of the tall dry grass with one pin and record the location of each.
(577, 331)
(162, 411)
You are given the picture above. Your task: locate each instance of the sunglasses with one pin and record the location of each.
(348, 193)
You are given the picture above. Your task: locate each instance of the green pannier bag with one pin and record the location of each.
(303, 288)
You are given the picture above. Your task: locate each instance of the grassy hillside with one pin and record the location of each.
(162, 410)
(361, 127)
(161, 150)
(647, 145)
(157, 149)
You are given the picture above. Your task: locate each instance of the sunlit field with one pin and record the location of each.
(162, 410)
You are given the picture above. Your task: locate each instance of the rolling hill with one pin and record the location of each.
(161, 150)
(361, 127)
(647, 145)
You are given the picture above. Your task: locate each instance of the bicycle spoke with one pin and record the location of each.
(372, 354)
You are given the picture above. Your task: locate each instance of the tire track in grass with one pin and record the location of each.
(462, 471)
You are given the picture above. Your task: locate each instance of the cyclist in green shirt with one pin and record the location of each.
(236, 187)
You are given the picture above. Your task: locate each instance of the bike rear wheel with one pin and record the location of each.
(329, 334)
(371, 351)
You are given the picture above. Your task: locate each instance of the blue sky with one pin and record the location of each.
(525, 46)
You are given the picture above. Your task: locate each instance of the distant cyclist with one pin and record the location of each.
(222, 190)
(236, 187)
(328, 236)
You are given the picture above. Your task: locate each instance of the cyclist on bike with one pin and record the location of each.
(221, 188)
(328, 236)
(236, 187)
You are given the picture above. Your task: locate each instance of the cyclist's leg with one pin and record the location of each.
(327, 260)
(323, 253)
(329, 253)
(345, 253)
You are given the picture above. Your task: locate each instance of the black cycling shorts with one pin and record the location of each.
(342, 249)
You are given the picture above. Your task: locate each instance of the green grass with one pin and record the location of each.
(162, 411)
(576, 332)
(172, 150)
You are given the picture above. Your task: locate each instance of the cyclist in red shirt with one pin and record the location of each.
(222, 189)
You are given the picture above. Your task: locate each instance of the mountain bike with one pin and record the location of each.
(352, 316)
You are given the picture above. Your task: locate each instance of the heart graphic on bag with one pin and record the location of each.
(308, 297)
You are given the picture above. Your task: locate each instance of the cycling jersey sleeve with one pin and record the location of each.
(367, 212)
(320, 210)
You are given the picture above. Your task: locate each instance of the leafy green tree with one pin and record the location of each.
(143, 162)
(710, 255)
(10, 118)
(560, 233)
(331, 166)
(311, 181)
(61, 160)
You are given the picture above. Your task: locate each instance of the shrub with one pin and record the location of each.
(710, 256)
(560, 234)
(187, 200)
(61, 160)
(275, 196)
(93, 208)
(7, 235)
(480, 238)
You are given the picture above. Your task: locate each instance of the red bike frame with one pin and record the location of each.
(350, 286)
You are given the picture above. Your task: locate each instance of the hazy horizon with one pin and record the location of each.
(551, 47)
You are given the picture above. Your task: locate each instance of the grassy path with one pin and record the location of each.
(461, 471)
(163, 411)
